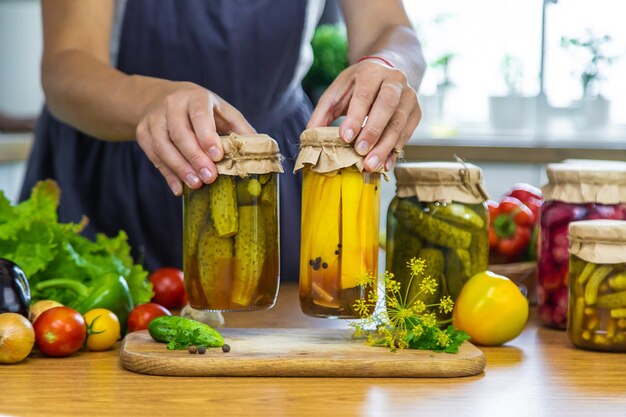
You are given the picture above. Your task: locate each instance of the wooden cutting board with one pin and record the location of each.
(297, 353)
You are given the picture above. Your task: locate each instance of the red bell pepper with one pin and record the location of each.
(511, 224)
(529, 195)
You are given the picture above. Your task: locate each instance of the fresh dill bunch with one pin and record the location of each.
(402, 320)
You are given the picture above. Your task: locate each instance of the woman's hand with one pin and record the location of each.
(179, 134)
(381, 93)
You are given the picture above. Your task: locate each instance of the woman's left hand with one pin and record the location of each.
(381, 93)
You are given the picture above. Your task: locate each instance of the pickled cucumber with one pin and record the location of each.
(248, 191)
(615, 300)
(591, 290)
(432, 230)
(457, 214)
(196, 216)
(250, 252)
(435, 269)
(405, 247)
(224, 206)
(479, 252)
(214, 261)
(458, 270)
(268, 194)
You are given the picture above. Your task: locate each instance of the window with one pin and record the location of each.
(478, 35)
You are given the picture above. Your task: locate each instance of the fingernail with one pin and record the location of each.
(205, 174)
(175, 187)
(362, 148)
(348, 135)
(192, 180)
(215, 153)
(388, 164)
(373, 162)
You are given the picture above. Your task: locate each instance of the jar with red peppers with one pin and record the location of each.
(574, 192)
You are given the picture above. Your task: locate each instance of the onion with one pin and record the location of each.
(41, 306)
(17, 337)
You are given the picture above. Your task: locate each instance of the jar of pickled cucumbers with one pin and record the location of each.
(230, 229)
(440, 215)
(597, 285)
(340, 215)
(575, 191)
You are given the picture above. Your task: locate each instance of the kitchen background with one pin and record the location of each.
(539, 84)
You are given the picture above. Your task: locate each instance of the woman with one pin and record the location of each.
(128, 121)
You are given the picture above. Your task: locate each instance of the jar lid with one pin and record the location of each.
(440, 181)
(600, 182)
(324, 151)
(249, 154)
(598, 241)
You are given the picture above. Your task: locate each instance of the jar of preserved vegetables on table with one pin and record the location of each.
(582, 191)
(230, 229)
(597, 285)
(440, 215)
(340, 218)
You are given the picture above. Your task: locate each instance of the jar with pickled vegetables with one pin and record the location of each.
(597, 285)
(574, 192)
(340, 218)
(439, 214)
(230, 229)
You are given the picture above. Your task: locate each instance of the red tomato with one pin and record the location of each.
(60, 331)
(169, 287)
(143, 314)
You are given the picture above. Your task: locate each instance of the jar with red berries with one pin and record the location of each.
(574, 192)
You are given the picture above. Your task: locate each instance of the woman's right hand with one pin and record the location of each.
(179, 135)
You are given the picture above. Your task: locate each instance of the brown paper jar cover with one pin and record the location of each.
(598, 241)
(249, 154)
(602, 183)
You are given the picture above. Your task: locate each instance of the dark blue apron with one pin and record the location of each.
(244, 50)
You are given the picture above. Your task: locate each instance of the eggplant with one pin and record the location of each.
(14, 289)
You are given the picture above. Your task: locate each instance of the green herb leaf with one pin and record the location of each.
(32, 237)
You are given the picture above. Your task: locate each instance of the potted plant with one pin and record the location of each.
(510, 111)
(593, 107)
(442, 64)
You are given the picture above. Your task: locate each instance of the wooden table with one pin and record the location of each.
(538, 374)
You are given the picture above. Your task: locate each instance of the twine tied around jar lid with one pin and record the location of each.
(441, 181)
(598, 241)
(324, 151)
(249, 154)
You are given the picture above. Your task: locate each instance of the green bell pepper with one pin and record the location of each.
(110, 291)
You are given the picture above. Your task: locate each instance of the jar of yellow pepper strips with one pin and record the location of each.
(597, 285)
(340, 215)
(230, 229)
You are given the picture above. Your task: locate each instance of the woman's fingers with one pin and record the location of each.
(200, 109)
(334, 101)
(229, 119)
(186, 140)
(396, 133)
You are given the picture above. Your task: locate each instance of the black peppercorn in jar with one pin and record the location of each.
(340, 218)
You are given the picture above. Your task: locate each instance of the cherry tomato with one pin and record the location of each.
(60, 331)
(169, 287)
(491, 309)
(103, 329)
(143, 314)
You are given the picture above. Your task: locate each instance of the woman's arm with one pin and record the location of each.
(175, 123)
(386, 95)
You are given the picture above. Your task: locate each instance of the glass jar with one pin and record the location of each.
(340, 218)
(574, 192)
(230, 230)
(597, 290)
(440, 215)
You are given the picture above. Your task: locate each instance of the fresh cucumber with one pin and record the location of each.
(184, 331)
